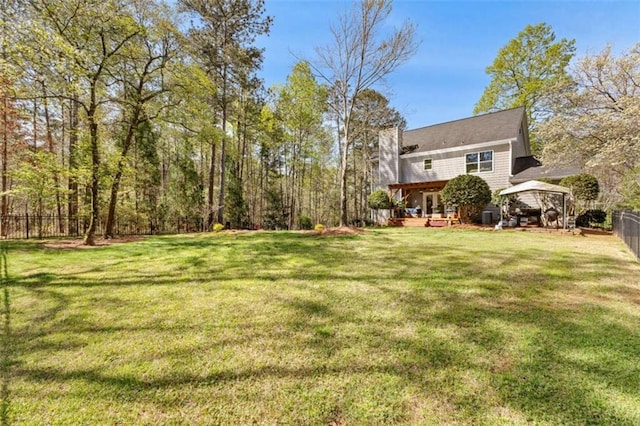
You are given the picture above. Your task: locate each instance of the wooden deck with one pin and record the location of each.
(422, 222)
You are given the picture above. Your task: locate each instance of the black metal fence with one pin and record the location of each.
(626, 225)
(28, 226)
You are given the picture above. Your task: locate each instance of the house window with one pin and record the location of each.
(479, 161)
(427, 164)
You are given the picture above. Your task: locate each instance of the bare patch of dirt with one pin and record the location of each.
(78, 245)
(341, 230)
(502, 365)
(595, 231)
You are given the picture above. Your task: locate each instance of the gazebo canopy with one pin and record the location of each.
(535, 185)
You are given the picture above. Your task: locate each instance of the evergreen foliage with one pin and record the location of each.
(526, 71)
(276, 214)
(305, 222)
(631, 190)
(469, 193)
(589, 217)
(584, 188)
(186, 192)
(237, 210)
(379, 200)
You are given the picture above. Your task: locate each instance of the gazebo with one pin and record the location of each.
(537, 186)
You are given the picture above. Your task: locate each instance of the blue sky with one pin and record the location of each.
(459, 39)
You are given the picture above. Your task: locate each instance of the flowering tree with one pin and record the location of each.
(596, 123)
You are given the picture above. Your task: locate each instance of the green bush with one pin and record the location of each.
(305, 222)
(379, 200)
(583, 186)
(630, 190)
(588, 217)
(319, 227)
(218, 227)
(469, 193)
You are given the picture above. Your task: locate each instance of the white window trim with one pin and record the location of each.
(493, 161)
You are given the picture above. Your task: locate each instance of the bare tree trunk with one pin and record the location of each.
(300, 197)
(5, 159)
(5, 140)
(261, 204)
(35, 126)
(212, 173)
(72, 201)
(343, 179)
(51, 147)
(223, 149)
(89, 238)
(115, 185)
(364, 60)
(356, 192)
(292, 188)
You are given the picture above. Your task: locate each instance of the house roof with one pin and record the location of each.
(554, 173)
(523, 163)
(495, 126)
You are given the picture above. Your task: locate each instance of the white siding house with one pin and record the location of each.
(415, 165)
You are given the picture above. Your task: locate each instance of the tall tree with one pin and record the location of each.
(147, 173)
(88, 36)
(372, 113)
(272, 207)
(301, 104)
(527, 70)
(223, 39)
(11, 26)
(359, 57)
(596, 124)
(237, 207)
(36, 177)
(141, 71)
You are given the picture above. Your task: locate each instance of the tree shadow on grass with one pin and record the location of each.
(575, 356)
(453, 317)
(6, 341)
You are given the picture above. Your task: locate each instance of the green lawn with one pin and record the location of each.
(395, 326)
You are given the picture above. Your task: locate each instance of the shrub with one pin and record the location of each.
(469, 193)
(588, 217)
(305, 222)
(218, 227)
(379, 200)
(319, 227)
(584, 187)
(630, 190)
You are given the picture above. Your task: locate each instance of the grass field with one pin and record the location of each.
(394, 326)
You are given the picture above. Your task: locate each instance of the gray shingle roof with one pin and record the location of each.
(554, 173)
(494, 126)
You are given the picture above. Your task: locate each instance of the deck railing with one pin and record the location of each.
(626, 225)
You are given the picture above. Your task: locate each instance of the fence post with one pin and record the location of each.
(27, 224)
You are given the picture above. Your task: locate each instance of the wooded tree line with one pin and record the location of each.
(131, 110)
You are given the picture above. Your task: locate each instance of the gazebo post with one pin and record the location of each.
(564, 211)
